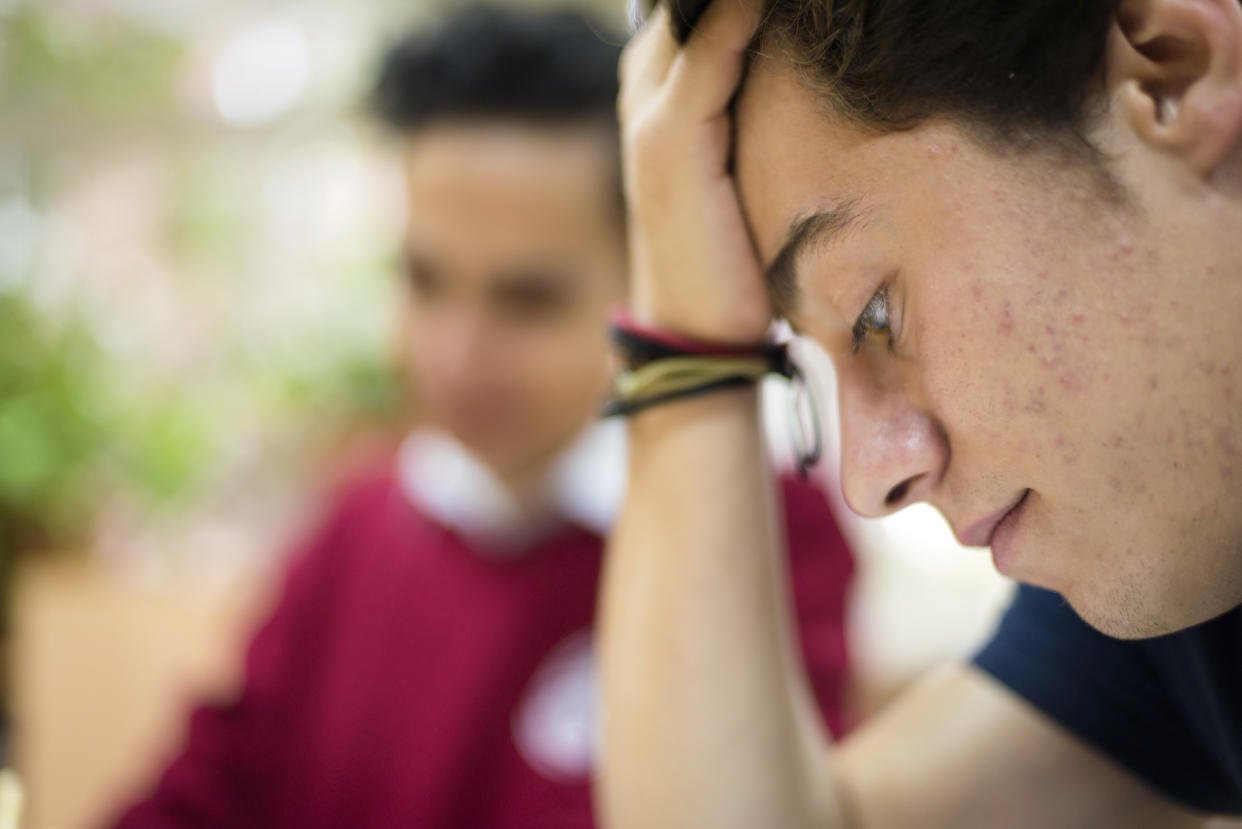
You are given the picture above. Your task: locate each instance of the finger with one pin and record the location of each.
(706, 72)
(647, 58)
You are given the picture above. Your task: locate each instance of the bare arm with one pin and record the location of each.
(683, 684)
(961, 750)
(709, 721)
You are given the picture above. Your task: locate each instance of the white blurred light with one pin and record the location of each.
(19, 234)
(260, 74)
(174, 17)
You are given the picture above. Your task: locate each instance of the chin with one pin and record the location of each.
(1126, 611)
(516, 460)
(494, 445)
(1120, 622)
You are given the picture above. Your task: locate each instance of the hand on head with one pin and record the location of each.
(694, 268)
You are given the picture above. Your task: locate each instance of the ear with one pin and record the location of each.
(1175, 70)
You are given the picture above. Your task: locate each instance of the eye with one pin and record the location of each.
(423, 278)
(532, 296)
(873, 320)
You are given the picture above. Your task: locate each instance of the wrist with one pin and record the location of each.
(715, 317)
(661, 366)
(664, 369)
(730, 411)
(680, 341)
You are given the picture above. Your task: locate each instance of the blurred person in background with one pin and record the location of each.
(430, 661)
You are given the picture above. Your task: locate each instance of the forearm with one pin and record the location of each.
(708, 721)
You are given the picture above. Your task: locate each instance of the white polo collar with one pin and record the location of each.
(585, 485)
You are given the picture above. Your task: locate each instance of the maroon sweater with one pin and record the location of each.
(393, 683)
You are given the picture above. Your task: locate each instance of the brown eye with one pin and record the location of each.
(532, 296)
(423, 278)
(872, 320)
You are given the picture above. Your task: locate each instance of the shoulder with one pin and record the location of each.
(1163, 708)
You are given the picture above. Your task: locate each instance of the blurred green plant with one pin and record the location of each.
(91, 66)
(83, 427)
(74, 433)
(52, 426)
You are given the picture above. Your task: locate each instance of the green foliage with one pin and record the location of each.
(206, 219)
(92, 66)
(69, 437)
(52, 425)
(74, 430)
(83, 428)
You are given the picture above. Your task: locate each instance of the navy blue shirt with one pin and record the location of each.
(1169, 709)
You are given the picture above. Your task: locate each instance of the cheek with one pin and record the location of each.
(958, 335)
(1000, 322)
(587, 359)
(995, 363)
(560, 364)
(420, 354)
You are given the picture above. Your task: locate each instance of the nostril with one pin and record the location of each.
(897, 494)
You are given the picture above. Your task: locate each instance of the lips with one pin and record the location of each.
(979, 534)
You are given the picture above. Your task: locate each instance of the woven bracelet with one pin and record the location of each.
(662, 367)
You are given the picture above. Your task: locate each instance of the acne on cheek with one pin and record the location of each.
(1070, 377)
(1052, 347)
(1069, 456)
(1227, 442)
(1004, 324)
(1212, 369)
(1037, 403)
(1226, 389)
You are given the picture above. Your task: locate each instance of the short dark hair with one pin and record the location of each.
(485, 62)
(1018, 70)
(1013, 71)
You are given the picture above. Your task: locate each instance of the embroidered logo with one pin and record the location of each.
(556, 726)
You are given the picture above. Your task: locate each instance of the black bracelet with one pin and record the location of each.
(637, 351)
(625, 408)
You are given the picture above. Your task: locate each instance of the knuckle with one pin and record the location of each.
(629, 55)
(630, 104)
(646, 132)
(634, 56)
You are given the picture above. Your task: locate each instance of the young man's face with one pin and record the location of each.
(1063, 365)
(516, 253)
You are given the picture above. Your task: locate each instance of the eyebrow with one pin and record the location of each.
(818, 228)
(531, 284)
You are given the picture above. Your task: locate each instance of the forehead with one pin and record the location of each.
(515, 187)
(795, 156)
(788, 152)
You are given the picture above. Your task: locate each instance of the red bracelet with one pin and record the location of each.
(622, 320)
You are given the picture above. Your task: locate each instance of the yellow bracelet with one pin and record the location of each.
(675, 374)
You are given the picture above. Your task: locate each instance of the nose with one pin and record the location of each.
(892, 451)
(451, 350)
(461, 343)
